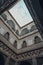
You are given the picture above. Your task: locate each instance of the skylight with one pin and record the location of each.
(21, 13)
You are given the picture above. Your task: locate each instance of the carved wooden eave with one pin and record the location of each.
(5, 5)
(21, 54)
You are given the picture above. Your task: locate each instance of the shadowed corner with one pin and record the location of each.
(2, 60)
(25, 63)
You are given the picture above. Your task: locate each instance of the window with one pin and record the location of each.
(37, 39)
(15, 43)
(21, 13)
(10, 22)
(6, 35)
(4, 16)
(24, 44)
(24, 31)
(33, 28)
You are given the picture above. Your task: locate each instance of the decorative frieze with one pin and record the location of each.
(20, 56)
(31, 54)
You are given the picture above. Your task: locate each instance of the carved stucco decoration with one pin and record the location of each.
(7, 49)
(29, 54)
(13, 26)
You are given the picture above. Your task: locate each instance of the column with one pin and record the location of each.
(7, 60)
(34, 61)
(16, 63)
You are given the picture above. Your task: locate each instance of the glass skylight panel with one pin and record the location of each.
(21, 13)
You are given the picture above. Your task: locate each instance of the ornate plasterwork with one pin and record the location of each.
(12, 24)
(7, 50)
(20, 56)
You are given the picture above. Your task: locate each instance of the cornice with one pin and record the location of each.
(7, 5)
(21, 54)
(35, 50)
(18, 37)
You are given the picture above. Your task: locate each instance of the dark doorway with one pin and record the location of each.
(24, 63)
(11, 62)
(40, 61)
(2, 60)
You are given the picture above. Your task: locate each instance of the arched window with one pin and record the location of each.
(4, 16)
(37, 40)
(24, 31)
(7, 35)
(15, 44)
(17, 32)
(33, 28)
(24, 44)
(12, 25)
